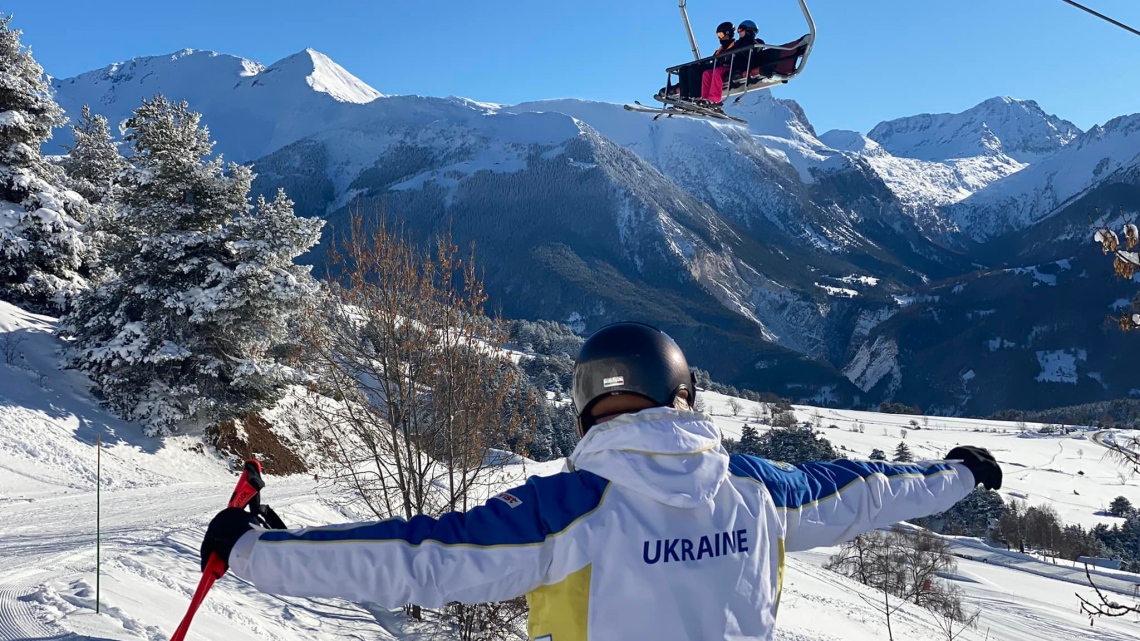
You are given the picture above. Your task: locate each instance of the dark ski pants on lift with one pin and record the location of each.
(690, 79)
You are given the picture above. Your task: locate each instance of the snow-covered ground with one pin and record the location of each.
(158, 495)
(1069, 472)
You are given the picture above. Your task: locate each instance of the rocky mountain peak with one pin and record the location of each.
(1016, 128)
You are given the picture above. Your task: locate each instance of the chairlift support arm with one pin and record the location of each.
(689, 30)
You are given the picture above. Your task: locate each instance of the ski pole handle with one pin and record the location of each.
(248, 486)
(246, 492)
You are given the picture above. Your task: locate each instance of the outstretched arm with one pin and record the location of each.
(829, 503)
(493, 552)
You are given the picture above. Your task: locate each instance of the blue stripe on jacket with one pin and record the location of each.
(794, 486)
(545, 506)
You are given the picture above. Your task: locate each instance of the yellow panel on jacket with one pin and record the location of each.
(559, 612)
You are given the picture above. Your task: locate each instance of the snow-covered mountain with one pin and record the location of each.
(1019, 129)
(925, 186)
(443, 156)
(1024, 199)
(760, 245)
(252, 109)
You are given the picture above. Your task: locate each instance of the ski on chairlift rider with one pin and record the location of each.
(653, 531)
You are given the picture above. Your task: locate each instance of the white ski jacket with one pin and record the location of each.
(654, 533)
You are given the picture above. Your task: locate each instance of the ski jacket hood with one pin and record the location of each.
(671, 456)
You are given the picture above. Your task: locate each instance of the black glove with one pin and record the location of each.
(268, 519)
(229, 526)
(980, 463)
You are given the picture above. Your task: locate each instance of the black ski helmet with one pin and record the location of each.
(629, 358)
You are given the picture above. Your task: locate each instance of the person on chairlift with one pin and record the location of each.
(712, 82)
(690, 77)
(715, 75)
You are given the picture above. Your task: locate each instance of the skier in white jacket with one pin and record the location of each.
(653, 532)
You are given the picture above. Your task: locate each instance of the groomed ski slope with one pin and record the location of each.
(158, 496)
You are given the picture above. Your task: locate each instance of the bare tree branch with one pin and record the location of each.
(1103, 606)
(953, 629)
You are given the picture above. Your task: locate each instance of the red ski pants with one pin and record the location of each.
(712, 84)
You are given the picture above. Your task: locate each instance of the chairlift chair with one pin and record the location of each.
(760, 66)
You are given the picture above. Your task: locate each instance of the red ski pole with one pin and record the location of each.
(246, 491)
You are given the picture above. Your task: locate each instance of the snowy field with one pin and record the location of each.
(1069, 472)
(158, 495)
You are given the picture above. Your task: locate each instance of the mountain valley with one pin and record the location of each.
(837, 268)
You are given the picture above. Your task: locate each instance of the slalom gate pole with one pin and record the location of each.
(248, 486)
(98, 514)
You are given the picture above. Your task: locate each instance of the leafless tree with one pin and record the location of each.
(921, 557)
(414, 400)
(886, 609)
(488, 620)
(10, 343)
(423, 383)
(861, 560)
(904, 564)
(734, 406)
(953, 628)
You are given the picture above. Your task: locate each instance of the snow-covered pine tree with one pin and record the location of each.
(94, 164)
(205, 288)
(792, 445)
(94, 169)
(903, 454)
(41, 242)
(749, 441)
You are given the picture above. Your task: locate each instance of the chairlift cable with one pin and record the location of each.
(1102, 16)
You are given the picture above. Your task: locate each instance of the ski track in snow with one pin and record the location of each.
(17, 621)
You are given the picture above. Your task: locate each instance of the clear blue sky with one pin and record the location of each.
(875, 59)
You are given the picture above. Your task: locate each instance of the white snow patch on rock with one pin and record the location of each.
(874, 362)
(838, 291)
(999, 343)
(1060, 366)
(869, 281)
(870, 319)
